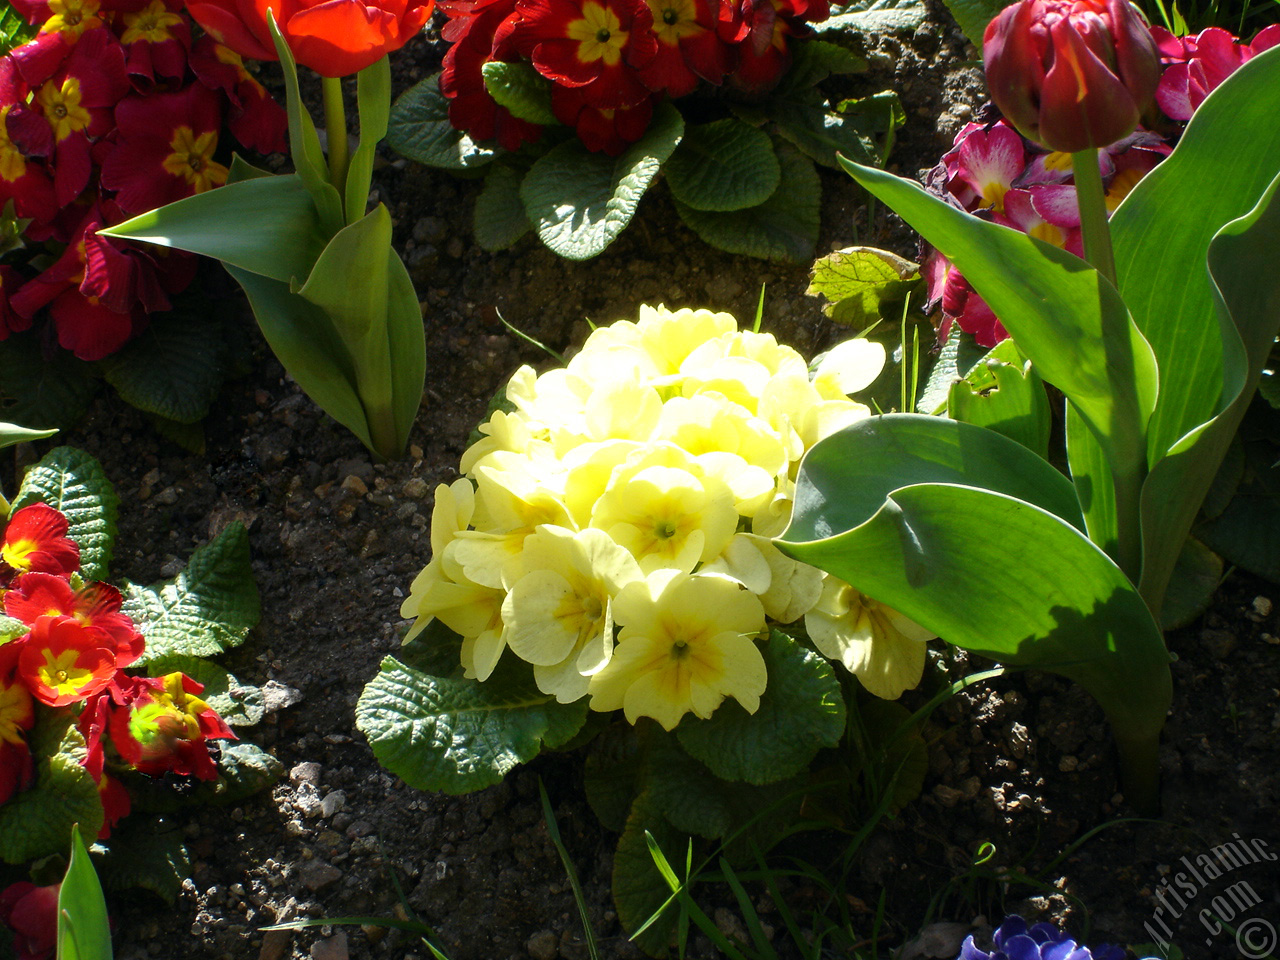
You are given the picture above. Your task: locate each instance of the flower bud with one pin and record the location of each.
(1071, 74)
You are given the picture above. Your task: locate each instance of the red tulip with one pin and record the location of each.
(1071, 74)
(335, 38)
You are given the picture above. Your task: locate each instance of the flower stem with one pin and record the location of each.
(335, 121)
(1093, 213)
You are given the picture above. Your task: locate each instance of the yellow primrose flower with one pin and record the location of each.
(559, 613)
(666, 516)
(454, 505)
(847, 368)
(710, 423)
(686, 643)
(793, 406)
(670, 336)
(622, 409)
(502, 432)
(877, 644)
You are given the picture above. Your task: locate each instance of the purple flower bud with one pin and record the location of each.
(1071, 74)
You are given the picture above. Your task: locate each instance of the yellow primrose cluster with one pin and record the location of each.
(613, 529)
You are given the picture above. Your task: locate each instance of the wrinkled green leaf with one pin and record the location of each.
(800, 712)
(499, 216)
(521, 89)
(38, 821)
(857, 281)
(784, 227)
(73, 482)
(580, 201)
(955, 360)
(612, 775)
(206, 609)
(42, 394)
(84, 932)
(11, 629)
(146, 852)
(420, 130)
(459, 735)
(723, 165)
(815, 60)
(243, 770)
(285, 238)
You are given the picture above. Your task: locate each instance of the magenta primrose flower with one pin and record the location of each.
(1197, 65)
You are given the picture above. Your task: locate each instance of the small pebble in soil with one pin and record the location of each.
(543, 945)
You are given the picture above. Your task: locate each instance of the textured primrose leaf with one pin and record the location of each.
(1004, 393)
(881, 16)
(458, 735)
(500, 219)
(239, 705)
(243, 770)
(612, 774)
(174, 368)
(724, 165)
(801, 711)
(639, 890)
(37, 822)
(815, 60)
(856, 280)
(72, 481)
(204, 610)
(580, 201)
(420, 130)
(39, 393)
(146, 852)
(784, 227)
(11, 629)
(521, 89)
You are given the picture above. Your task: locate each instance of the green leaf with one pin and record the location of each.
(203, 611)
(285, 237)
(784, 227)
(373, 99)
(973, 16)
(580, 201)
(723, 165)
(521, 89)
(612, 774)
(420, 130)
(991, 573)
(73, 482)
(813, 61)
(11, 433)
(871, 459)
(955, 360)
(14, 29)
(894, 759)
(84, 932)
(639, 891)
(361, 285)
(175, 367)
(243, 770)
(38, 821)
(304, 143)
(459, 735)
(11, 629)
(857, 281)
(499, 216)
(801, 711)
(304, 339)
(1066, 318)
(146, 852)
(1004, 393)
(821, 133)
(1208, 369)
(1196, 577)
(239, 705)
(42, 393)
(1245, 529)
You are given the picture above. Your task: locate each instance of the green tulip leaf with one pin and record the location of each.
(1004, 393)
(264, 226)
(723, 165)
(1001, 577)
(373, 99)
(84, 932)
(973, 16)
(11, 433)
(1067, 318)
(581, 201)
(304, 339)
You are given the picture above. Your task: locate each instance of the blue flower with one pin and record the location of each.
(1015, 941)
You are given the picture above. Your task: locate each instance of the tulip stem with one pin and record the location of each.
(335, 121)
(1093, 213)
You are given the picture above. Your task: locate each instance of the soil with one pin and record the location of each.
(1023, 763)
